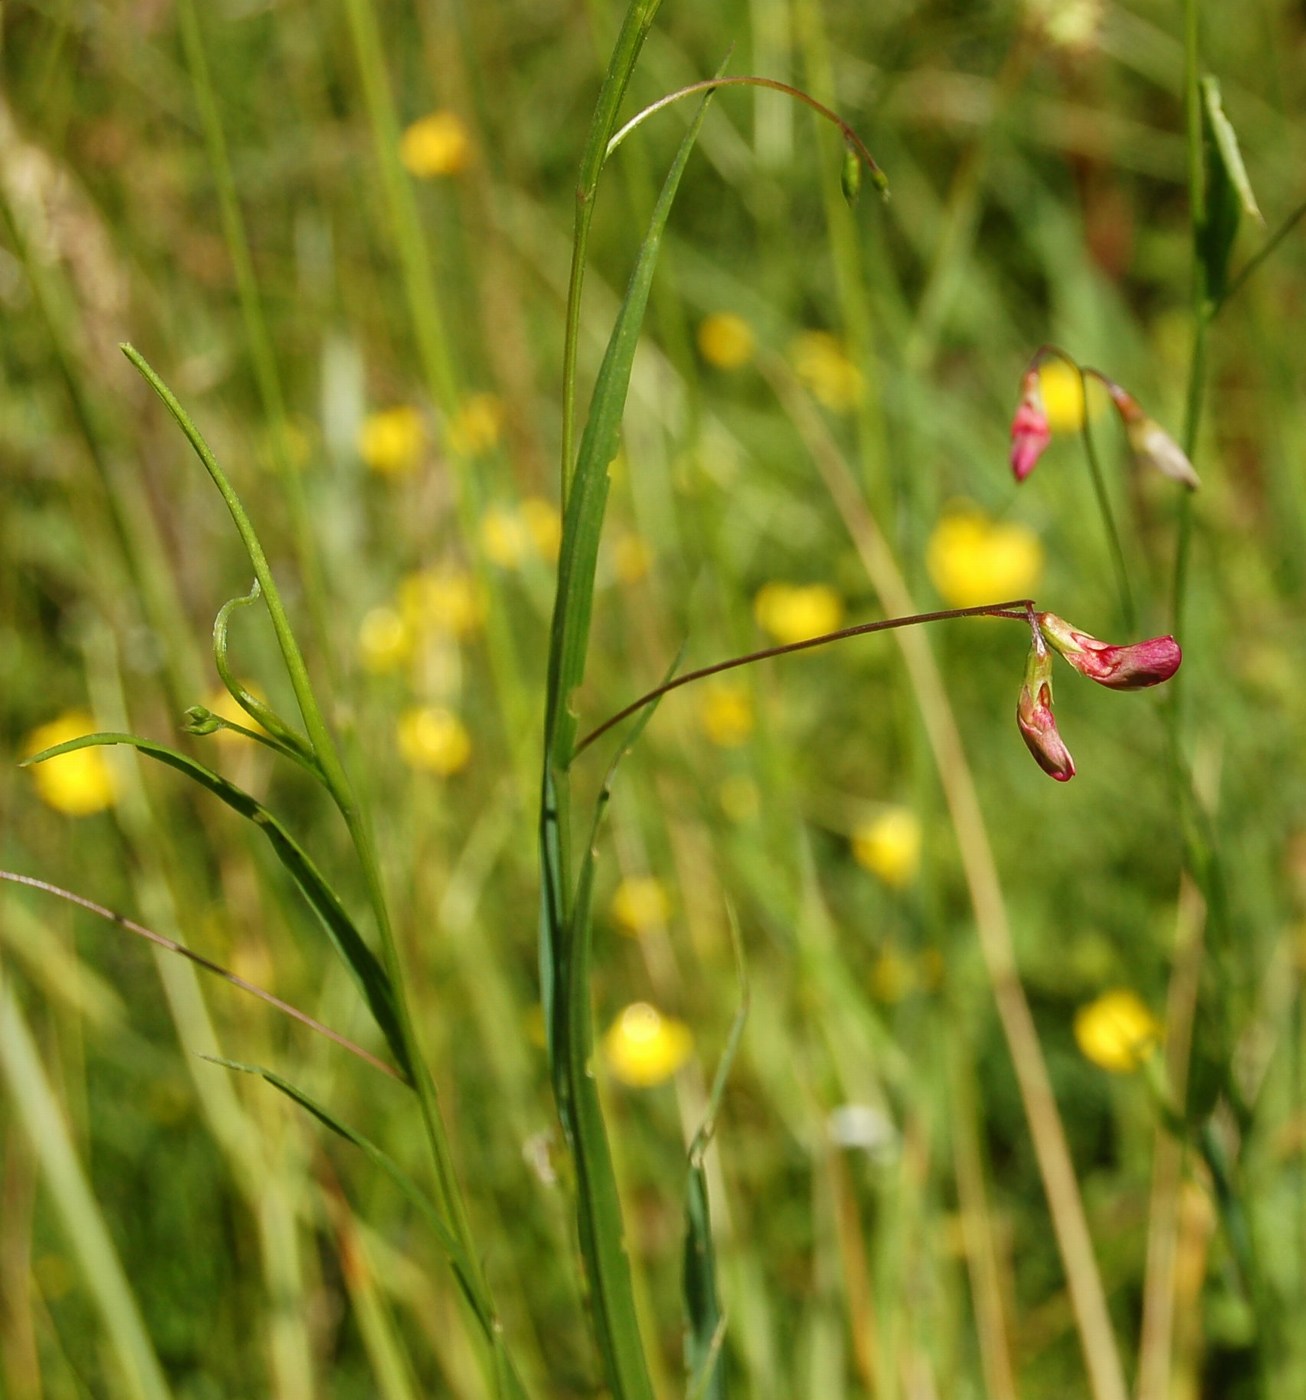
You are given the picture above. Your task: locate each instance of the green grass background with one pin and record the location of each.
(1038, 195)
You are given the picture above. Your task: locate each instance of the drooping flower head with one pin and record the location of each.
(1030, 430)
(1151, 445)
(1130, 667)
(1038, 726)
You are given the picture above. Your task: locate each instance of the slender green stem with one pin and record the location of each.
(878, 177)
(1104, 509)
(634, 28)
(1254, 263)
(1007, 610)
(172, 946)
(337, 782)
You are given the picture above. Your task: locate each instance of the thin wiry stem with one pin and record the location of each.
(171, 944)
(1007, 610)
(855, 142)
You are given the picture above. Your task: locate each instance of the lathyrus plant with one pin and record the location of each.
(568, 850)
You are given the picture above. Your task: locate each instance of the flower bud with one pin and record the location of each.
(1038, 726)
(1030, 432)
(1121, 668)
(1151, 445)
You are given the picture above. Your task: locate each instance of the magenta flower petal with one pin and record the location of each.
(1130, 667)
(1030, 432)
(1038, 725)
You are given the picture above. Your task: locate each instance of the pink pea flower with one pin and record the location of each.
(1030, 431)
(1151, 445)
(1038, 726)
(1121, 668)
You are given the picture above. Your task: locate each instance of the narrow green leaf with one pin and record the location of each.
(279, 735)
(1228, 192)
(705, 1329)
(509, 1385)
(583, 519)
(325, 903)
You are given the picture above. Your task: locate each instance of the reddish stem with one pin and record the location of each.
(1008, 610)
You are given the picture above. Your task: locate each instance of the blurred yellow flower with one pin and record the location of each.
(511, 534)
(975, 560)
(822, 363)
(640, 903)
(893, 976)
(433, 740)
(1117, 1031)
(794, 612)
(725, 340)
(740, 800)
(440, 600)
(726, 713)
(475, 427)
(1062, 391)
(632, 558)
(391, 440)
(1067, 24)
(437, 144)
(889, 846)
(384, 640)
(643, 1047)
(76, 784)
(224, 704)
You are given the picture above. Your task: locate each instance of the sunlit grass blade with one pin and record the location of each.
(468, 1279)
(704, 1317)
(31, 1104)
(370, 976)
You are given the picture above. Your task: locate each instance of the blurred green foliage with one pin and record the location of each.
(1038, 194)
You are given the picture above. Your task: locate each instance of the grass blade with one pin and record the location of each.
(326, 904)
(32, 1102)
(703, 1314)
(509, 1386)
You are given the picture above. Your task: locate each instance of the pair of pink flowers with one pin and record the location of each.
(1117, 667)
(1148, 441)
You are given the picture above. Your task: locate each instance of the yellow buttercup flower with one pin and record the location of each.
(643, 1047)
(77, 784)
(889, 846)
(822, 363)
(391, 441)
(795, 612)
(1062, 391)
(511, 535)
(726, 713)
(384, 640)
(739, 797)
(725, 340)
(475, 428)
(631, 558)
(893, 977)
(437, 144)
(640, 903)
(1117, 1031)
(975, 560)
(433, 740)
(545, 526)
(440, 600)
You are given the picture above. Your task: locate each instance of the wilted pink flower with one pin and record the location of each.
(1030, 432)
(1122, 668)
(1151, 445)
(1038, 726)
